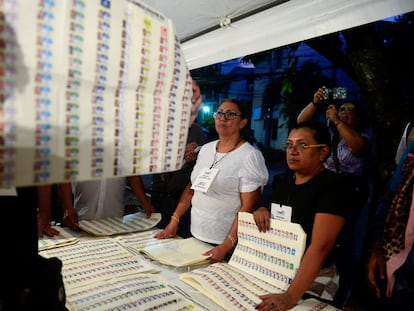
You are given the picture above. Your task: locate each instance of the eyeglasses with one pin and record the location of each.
(346, 109)
(228, 115)
(300, 147)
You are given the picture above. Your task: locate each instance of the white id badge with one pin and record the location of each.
(281, 212)
(204, 180)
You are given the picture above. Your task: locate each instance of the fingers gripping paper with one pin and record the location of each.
(262, 263)
(89, 89)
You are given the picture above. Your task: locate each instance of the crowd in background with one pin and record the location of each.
(326, 189)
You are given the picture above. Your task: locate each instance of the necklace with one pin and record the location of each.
(215, 161)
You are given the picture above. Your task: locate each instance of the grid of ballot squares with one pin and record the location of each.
(68, 84)
(105, 272)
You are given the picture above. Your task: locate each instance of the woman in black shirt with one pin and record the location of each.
(309, 195)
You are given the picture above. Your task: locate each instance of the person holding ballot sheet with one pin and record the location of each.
(228, 178)
(310, 195)
(95, 199)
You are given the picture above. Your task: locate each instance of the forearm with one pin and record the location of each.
(185, 201)
(231, 240)
(182, 206)
(137, 186)
(309, 269)
(249, 201)
(65, 193)
(355, 141)
(44, 194)
(326, 229)
(307, 113)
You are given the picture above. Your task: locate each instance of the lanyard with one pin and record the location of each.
(215, 161)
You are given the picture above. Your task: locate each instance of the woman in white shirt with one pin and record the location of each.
(228, 178)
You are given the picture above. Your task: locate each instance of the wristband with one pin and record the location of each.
(176, 218)
(233, 241)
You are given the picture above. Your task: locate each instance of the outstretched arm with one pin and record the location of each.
(137, 187)
(309, 111)
(326, 229)
(70, 215)
(182, 206)
(44, 194)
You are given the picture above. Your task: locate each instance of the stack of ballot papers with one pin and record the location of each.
(65, 237)
(179, 252)
(262, 263)
(120, 225)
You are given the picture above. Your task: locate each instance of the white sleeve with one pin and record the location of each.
(254, 172)
(402, 145)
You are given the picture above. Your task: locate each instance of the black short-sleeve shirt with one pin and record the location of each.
(321, 194)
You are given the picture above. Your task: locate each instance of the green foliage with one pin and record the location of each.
(290, 71)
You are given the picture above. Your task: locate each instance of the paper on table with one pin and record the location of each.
(119, 225)
(137, 241)
(179, 252)
(137, 292)
(95, 260)
(313, 304)
(64, 238)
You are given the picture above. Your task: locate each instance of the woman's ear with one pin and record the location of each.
(243, 123)
(324, 153)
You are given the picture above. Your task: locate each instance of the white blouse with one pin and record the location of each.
(241, 170)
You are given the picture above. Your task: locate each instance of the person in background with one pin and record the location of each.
(350, 136)
(105, 198)
(406, 139)
(351, 150)
(228, 178)
(390, 261)
(99, 199)
(313, 196)
(168, 187)
(44, 198)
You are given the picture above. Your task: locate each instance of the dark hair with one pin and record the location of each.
(362, 119)
(242, 106)
(362, 122)
(320, 130)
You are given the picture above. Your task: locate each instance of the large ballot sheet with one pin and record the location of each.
(89, 89)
